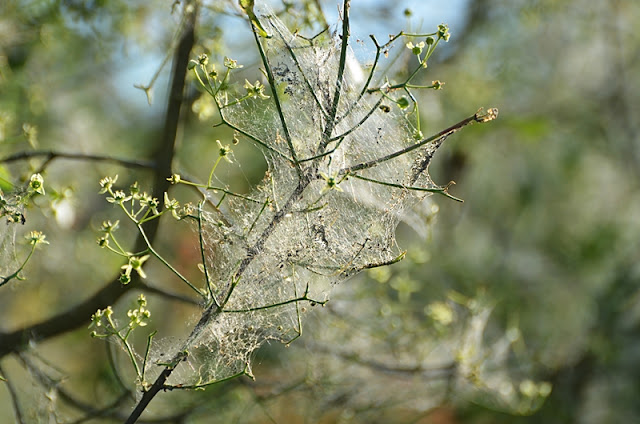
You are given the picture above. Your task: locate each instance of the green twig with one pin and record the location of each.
(167, 264)
(276, 101)
(17, 272)
(441, 135)
(328, 130)
(437, 190)
(252, 137)
(304, 298)
(264, 206)
(146, 355)
(210, 383)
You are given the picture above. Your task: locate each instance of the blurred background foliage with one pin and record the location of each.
(531, 284)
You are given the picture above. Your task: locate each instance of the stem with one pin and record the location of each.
(146, 355)
(362, 121)
(200, 386)
(15, 274)
(129, 350)
(251, 137)
(326, 136)
(210, 187)
(167, 264)
(213, 169)
(276, 100)
(438, 190)
(266, 202)
(302, 298)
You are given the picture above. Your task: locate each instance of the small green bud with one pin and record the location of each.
(203, 59)
(255, 90)
(416, 49)
(437, 85)
(134, 189)
(124, 279)
(430, 41)
(224, 151)
(331, 183)
(443, 32)
(403, 102)
(408, 12)
(107, 183)
(119, 196)
(231, 64)
(36, 183)
(174, 179)
(135, 263)
(31, 134)
(96, 319)
(108, 226)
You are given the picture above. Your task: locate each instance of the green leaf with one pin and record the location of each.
(5, 179)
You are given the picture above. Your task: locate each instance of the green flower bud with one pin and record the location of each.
(231, 64)
(203, 59)
(36, 183)
(403, 102)
(124, 279)
(443, 32)
(437, 85)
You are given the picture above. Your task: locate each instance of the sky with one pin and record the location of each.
(365, 20)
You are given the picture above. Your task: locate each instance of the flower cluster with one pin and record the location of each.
(35, 238)
(139, 317)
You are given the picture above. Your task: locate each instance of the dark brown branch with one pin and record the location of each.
(165, 156)
(78, 315)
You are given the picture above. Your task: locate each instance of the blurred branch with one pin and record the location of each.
(50, 155)
(477, 15)
(165, 150)
(14, 398)
(78, 315)
(444, 371)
